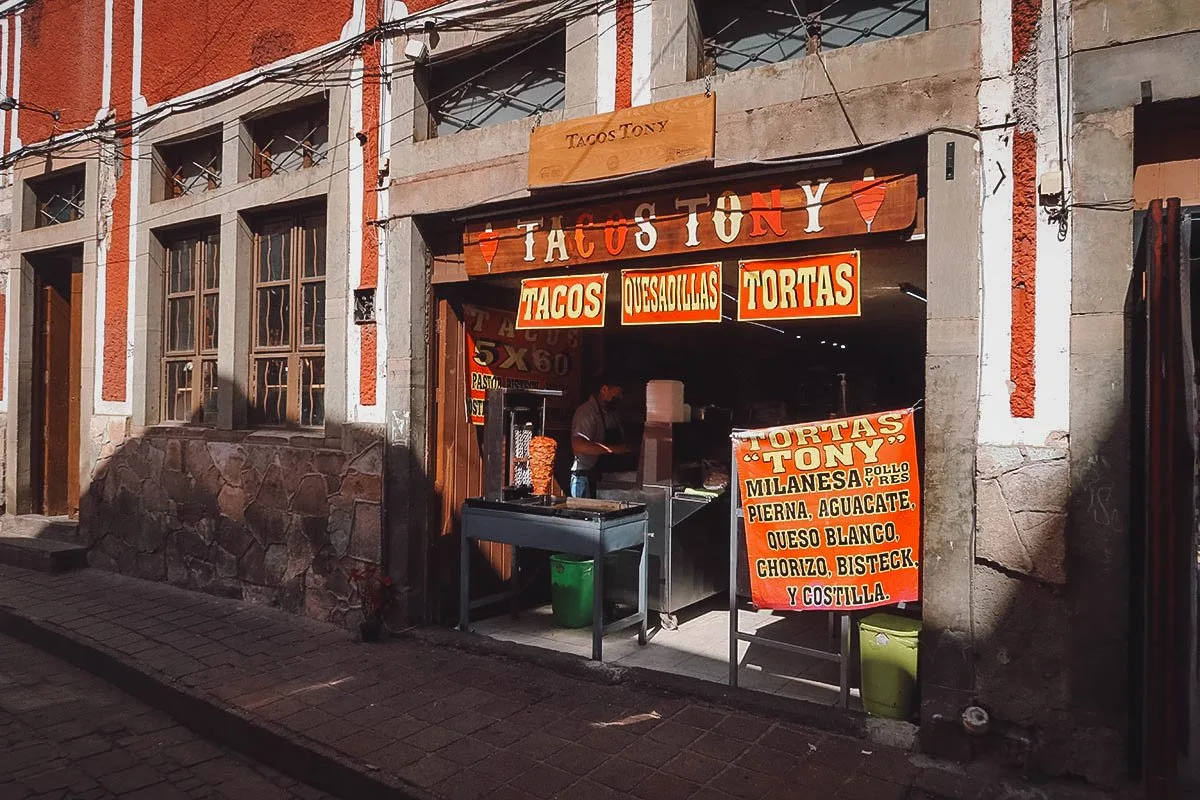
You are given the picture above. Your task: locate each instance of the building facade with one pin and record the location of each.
(235, 253)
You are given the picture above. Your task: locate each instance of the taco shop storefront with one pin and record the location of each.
(722, 300)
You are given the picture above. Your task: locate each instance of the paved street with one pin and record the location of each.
(429, 720)
(67, 734)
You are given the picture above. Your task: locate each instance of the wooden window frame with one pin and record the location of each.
(205, 245)
(296, 351)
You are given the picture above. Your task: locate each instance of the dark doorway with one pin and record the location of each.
(57, 358)
(1164, 554)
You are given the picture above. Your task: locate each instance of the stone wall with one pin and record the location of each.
(1023, 493)
(1027, 592)
(277, 518)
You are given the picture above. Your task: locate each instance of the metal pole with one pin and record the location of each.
(845, 665)
(734, 494)
(464, 577)
(643, 581)
(598, 600)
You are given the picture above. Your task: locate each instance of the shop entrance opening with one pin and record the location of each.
(686, 387)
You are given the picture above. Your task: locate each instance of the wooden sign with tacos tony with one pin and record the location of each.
(832, 512)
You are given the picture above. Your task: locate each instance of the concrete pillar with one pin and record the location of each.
(677, 42)
(409, 484)
(1099, 521)
(951, 408)
(18, 494)
(148, 304)
(581, 66)
(235, 302)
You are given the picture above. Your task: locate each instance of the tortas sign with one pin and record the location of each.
(737, 214)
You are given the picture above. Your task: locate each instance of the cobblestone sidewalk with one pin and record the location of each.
(442, 722)
(67, 734)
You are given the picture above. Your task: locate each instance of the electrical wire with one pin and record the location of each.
(331, 52)
(222, 191)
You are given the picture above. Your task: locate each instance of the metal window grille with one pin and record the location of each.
(59, 199)
(287, 372)
(193, 166)
(741, 36)
(499, 86)
(291, 141)
(191, 329)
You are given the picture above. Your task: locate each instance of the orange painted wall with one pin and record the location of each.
(372, 84)
(1023, 357)
(415, 6)
(217, 39)
(62, 65)
(116, 288)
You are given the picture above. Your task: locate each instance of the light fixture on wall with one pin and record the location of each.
(10, 103)
(914, 292)
(416, 51)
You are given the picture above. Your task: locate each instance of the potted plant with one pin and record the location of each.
(374, 591)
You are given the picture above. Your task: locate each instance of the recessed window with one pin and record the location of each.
(56, 198)
(193, 166)
(499, 84)
(287, 363)
(191, 328)
(744, 35)
(292, 140)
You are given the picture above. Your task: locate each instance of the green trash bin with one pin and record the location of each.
(888, 657)
(571, 590)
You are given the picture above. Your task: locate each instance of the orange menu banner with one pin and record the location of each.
(665, 296)
(498, 356)
(832, 512)
(565, 301)
(811, 287)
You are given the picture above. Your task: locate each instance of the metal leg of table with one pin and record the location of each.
(598, 604)
(464, 580)
(845, 665)
(513, 581)
(643, 591)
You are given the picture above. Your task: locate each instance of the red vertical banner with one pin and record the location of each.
(499, 355)
(832, 512)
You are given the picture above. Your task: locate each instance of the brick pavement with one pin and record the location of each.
(67, 734)
(442, 722)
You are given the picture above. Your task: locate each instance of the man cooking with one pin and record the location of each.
(595, 433)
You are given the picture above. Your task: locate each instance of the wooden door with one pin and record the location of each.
(56, 400)
(1168, 516)
(74, 391)
(60, 361)
(458, 474)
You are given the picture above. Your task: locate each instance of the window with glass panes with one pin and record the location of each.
(287, 359)
(191, 329)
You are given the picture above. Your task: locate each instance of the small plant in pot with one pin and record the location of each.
(374, 591)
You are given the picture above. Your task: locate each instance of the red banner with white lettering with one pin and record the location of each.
(564, 301)
(832, 512)
(809, 287)
(499, 355)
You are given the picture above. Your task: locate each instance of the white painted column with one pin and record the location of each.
(606, 58)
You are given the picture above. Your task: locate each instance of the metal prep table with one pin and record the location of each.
(566, 525)
(688, 550)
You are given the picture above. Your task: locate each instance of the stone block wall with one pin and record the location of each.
(1030, 601)
(1022, 499)
(277, 518)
